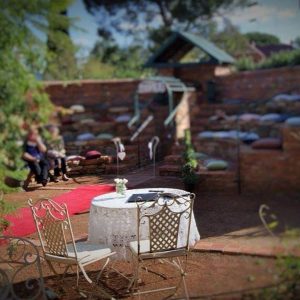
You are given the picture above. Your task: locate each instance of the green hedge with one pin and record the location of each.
(277, 60)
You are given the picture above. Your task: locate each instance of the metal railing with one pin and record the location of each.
(142, 127)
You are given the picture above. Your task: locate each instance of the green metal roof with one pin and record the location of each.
(180, 43)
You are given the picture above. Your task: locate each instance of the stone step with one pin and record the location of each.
(196, 130)
(123, 168)
(131, 158)
(88, 169)
(177, 149)
(217, 181)
(170, 170)
(96, 161)
(119, 109)
(174, 159)
(199, 122)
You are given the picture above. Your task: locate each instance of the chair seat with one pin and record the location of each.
(145, 250)
(144, 246)
(87, 252)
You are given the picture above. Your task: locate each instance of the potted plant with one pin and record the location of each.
(190, 177)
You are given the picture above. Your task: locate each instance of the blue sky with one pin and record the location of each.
(279, 17)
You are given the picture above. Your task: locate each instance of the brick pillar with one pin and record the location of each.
(182, 118)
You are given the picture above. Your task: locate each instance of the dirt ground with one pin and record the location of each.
(227, 219)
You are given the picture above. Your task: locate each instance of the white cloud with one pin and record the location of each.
(156, 21)
(261, 13)
(130, 26)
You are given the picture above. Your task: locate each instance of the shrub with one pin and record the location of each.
(277, 60)
(245, 64)
(189, 154)
(189, 175)
(281, 59)
(22, 99)
(5, 208)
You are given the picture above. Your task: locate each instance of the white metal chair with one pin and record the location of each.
(20, 259)
(55, 230)
(166, 218)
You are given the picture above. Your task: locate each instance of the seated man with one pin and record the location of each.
(34, 155)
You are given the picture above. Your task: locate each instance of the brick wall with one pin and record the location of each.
(273, 170)
(92, 92)
(197, 75)
(261, 84)
(250, 85)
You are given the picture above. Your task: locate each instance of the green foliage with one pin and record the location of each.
(189, 175)
(22, 99)
(107, 60)
(161, 17)
(18, 175)
(94, 69)
(245, 64)
(189, 154)
(231, 40)
(61, 63)
(261, 39)
(277, 60)
(288, 286)
(281, 59)
(5, 208)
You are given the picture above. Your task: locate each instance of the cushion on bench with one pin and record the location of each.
(267, 143)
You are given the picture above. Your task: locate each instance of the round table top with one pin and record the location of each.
(114, 200)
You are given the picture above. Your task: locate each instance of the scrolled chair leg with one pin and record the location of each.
(51, 267)
(101, 271)
(182, 277)
(77, 276)
(104, 294)
(130, 287)
(88, 279)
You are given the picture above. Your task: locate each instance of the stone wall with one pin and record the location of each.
(258, 85)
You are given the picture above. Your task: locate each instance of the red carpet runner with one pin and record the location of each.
(77, 200)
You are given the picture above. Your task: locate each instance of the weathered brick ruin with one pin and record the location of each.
(257, 170)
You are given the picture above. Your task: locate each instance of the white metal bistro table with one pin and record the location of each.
(113, 221)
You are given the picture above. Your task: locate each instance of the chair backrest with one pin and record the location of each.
(166, 217)
(54, 227)
(19, 259)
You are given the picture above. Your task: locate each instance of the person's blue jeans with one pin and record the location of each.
(40, 169)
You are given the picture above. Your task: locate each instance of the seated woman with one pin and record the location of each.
(57, 153)
(34, 155)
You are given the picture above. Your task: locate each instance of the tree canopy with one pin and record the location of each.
(22, 55)
(60, 57)
(230, 39)
(151, 21)
(262, 39)
(108, 60)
